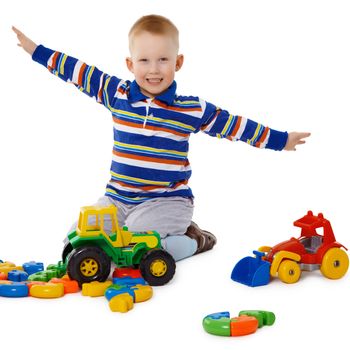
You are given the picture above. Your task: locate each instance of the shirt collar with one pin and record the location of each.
(167, 96)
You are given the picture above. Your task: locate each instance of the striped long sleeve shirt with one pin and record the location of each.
(151, 136)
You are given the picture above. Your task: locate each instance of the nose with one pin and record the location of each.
(154, 67)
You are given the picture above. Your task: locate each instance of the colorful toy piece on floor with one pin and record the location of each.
(311, 251)
(248, 321)
(128, 287)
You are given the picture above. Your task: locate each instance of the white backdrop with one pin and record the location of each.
(285, 64)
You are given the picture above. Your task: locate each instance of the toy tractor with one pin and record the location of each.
(90, 249)
(311, 251)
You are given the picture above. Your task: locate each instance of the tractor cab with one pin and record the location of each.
(96, 221)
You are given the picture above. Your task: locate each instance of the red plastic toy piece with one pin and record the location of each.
(126, 272)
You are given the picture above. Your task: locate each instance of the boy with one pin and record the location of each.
(152, 125)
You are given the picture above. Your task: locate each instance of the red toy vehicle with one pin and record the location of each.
(311, 251)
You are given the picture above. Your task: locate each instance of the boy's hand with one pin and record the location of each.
(24, 42)
(294, 139)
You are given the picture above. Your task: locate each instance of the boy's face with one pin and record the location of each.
(154, 61)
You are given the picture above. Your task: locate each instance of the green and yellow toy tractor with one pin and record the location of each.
(91, 249)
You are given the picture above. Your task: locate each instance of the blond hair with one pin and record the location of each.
(154, 24)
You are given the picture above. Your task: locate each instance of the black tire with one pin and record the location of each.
(157, 267)
(66, 250)
(88, 264)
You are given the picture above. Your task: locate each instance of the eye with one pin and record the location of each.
(164, 59)
(143, 60)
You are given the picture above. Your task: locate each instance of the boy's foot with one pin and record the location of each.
(205, 240)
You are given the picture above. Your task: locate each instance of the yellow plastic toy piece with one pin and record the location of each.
(95, 289)
(7, 266)
(279, 256)
(47, 290)
(264, 249)
(5, 282)
(142, 293)
(121, 303)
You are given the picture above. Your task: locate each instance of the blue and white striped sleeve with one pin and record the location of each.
(220, 123)
(87, 79)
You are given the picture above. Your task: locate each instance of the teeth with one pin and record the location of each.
(154, 80)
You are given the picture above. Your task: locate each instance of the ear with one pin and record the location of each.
(129, 64)
(179, 62)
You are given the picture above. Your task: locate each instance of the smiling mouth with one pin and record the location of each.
(154, 80)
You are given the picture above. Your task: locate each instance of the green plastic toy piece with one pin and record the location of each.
(218, 324)
(265, 318)
(52, 271)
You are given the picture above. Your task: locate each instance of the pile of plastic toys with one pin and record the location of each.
(31, 279)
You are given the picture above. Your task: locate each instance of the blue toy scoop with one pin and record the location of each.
(252, 271)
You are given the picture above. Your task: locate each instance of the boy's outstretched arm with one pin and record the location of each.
(27, 44)
(86, 78)
(294, 139)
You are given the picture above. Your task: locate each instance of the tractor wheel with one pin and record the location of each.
(66, 250)
(335, 263)
(87, 264)
(289, 271)
(157, 267)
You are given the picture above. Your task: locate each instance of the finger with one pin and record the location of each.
(16, 30)
(303, 135)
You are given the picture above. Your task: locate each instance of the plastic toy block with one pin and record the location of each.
(142, 293)
(17, 276)
(95, 289)
(30, 284)
(265, 318)
(8, 266)
(121, 303)
(218, 323)
(47, 290)
(126, 272)
(14, 290)
(129, 281)
(70, 286)
(33, 267)
(43, 276)
(60, 268)
(246, 323)
(52, 271)
(3, 276)
(116, 289)
(243, 325)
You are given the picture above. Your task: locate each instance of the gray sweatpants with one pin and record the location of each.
(169, 216)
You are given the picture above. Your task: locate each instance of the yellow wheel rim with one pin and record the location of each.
(89, 267)
(335, 263)
(158, 267)
(289, 271)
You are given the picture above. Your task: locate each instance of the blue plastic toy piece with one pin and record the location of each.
(116, 289)
(129, 281)
(33, 267)
(14, 290)
(251, 271)
(17, 276)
